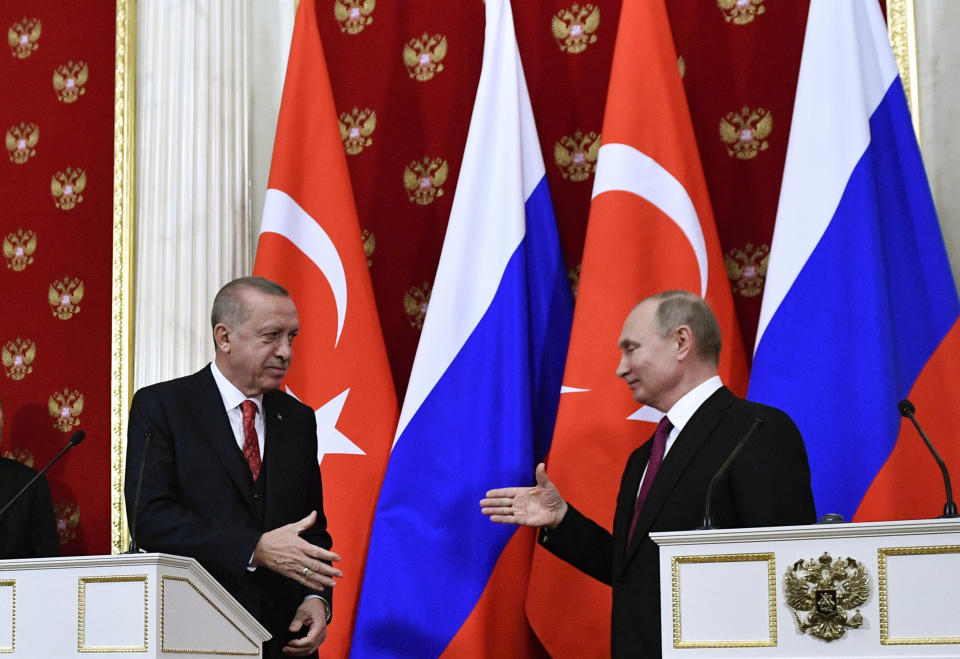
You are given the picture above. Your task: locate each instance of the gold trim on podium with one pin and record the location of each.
(121, 330)
(82, 613)
(163, 608)
(727, 558)
(882, 554)
(10, 583)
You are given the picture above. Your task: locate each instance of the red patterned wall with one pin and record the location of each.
(56, 183)
(415, 65)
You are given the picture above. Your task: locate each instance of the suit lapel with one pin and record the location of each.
(627, 499)
(688, 443)
(206, 405)
(274, 455)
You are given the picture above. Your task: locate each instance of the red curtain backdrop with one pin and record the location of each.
(56, 182)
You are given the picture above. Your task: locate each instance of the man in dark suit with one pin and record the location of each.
(670, 347)
(231, 475)
(28, 529)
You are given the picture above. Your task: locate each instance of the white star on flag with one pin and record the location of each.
(329, 439)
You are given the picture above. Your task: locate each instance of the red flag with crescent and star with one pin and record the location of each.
(651, 228)
(310, 243)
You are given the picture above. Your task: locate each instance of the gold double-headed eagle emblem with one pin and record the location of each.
(17, 357)
(22, 142)
(18, 249)
(574, 28)
(829, 594)
(353, 15)
(22, 37)
(745, 132)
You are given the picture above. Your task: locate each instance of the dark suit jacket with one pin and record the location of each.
(28, 529)
(199, 498)
(767, 485)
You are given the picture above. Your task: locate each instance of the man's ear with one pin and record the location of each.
(684, 341)
(221, 337)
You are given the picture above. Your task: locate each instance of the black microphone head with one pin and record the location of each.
(906, 407)
(77, 437)
(758, 421)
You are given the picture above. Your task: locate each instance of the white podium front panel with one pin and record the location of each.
(850, 591)
(137, 606)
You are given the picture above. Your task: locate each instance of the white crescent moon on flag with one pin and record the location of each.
(283, 216)
(622, 167)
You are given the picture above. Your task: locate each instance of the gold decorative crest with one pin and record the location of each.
(574, 28)
(353, 15)
(827, 590)
(65, 409)
(69, 79)
(573, 276)
(22, 37)
(747, 268)
(424, 180)
(369, 245)
(21, 455)
(17, 356)
(576, 155)
(18, 249)
(64, 297)
(67, 188)
(423, 56)
(745, 133)
(68, 519)
(356, 128)
(415, 303)
(740, 12)
(22, 141)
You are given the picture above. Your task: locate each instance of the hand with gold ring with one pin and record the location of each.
(283, 551)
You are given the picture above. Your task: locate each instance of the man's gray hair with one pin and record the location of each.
(228, 305)
(678, 308)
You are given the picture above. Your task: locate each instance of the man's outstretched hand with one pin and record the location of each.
(283, 551)
(540, 505)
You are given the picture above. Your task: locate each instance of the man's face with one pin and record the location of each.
(648, 362)
(255, 355)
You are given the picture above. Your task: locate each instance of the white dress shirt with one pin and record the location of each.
(684, 409)
(232, 397)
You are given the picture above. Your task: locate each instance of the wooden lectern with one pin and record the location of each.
(886, 589)
(139, 606)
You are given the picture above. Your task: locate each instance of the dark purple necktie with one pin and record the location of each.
(653, 466)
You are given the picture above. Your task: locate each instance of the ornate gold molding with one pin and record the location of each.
(12, 584)
(121, 331)
(163, 638)
(882, 554)
(726, 558)
(902, 26)
(82, 613)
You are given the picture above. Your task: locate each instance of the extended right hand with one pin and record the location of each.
(540, 505)
(283, 551)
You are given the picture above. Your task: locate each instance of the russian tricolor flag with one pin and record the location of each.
(859, 301)
(481, 402)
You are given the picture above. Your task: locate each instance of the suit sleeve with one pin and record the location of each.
(583, 543)
(771, 478)
(164, 522)
(316, 534)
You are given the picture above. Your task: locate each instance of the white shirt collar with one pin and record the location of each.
(231, 396)
(691, 401)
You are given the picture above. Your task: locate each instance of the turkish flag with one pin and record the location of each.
(650, 229)
(310, 243)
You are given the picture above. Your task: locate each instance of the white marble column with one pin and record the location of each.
(197, 110)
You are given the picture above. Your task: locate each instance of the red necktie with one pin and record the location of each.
(653, 466)
(251, 446)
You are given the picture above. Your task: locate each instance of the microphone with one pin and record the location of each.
(950, 507)
(134, 549)
(707, 517)
(75, 439)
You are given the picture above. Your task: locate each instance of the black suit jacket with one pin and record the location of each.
(767, 485)
(198, 497)
(28, 529)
